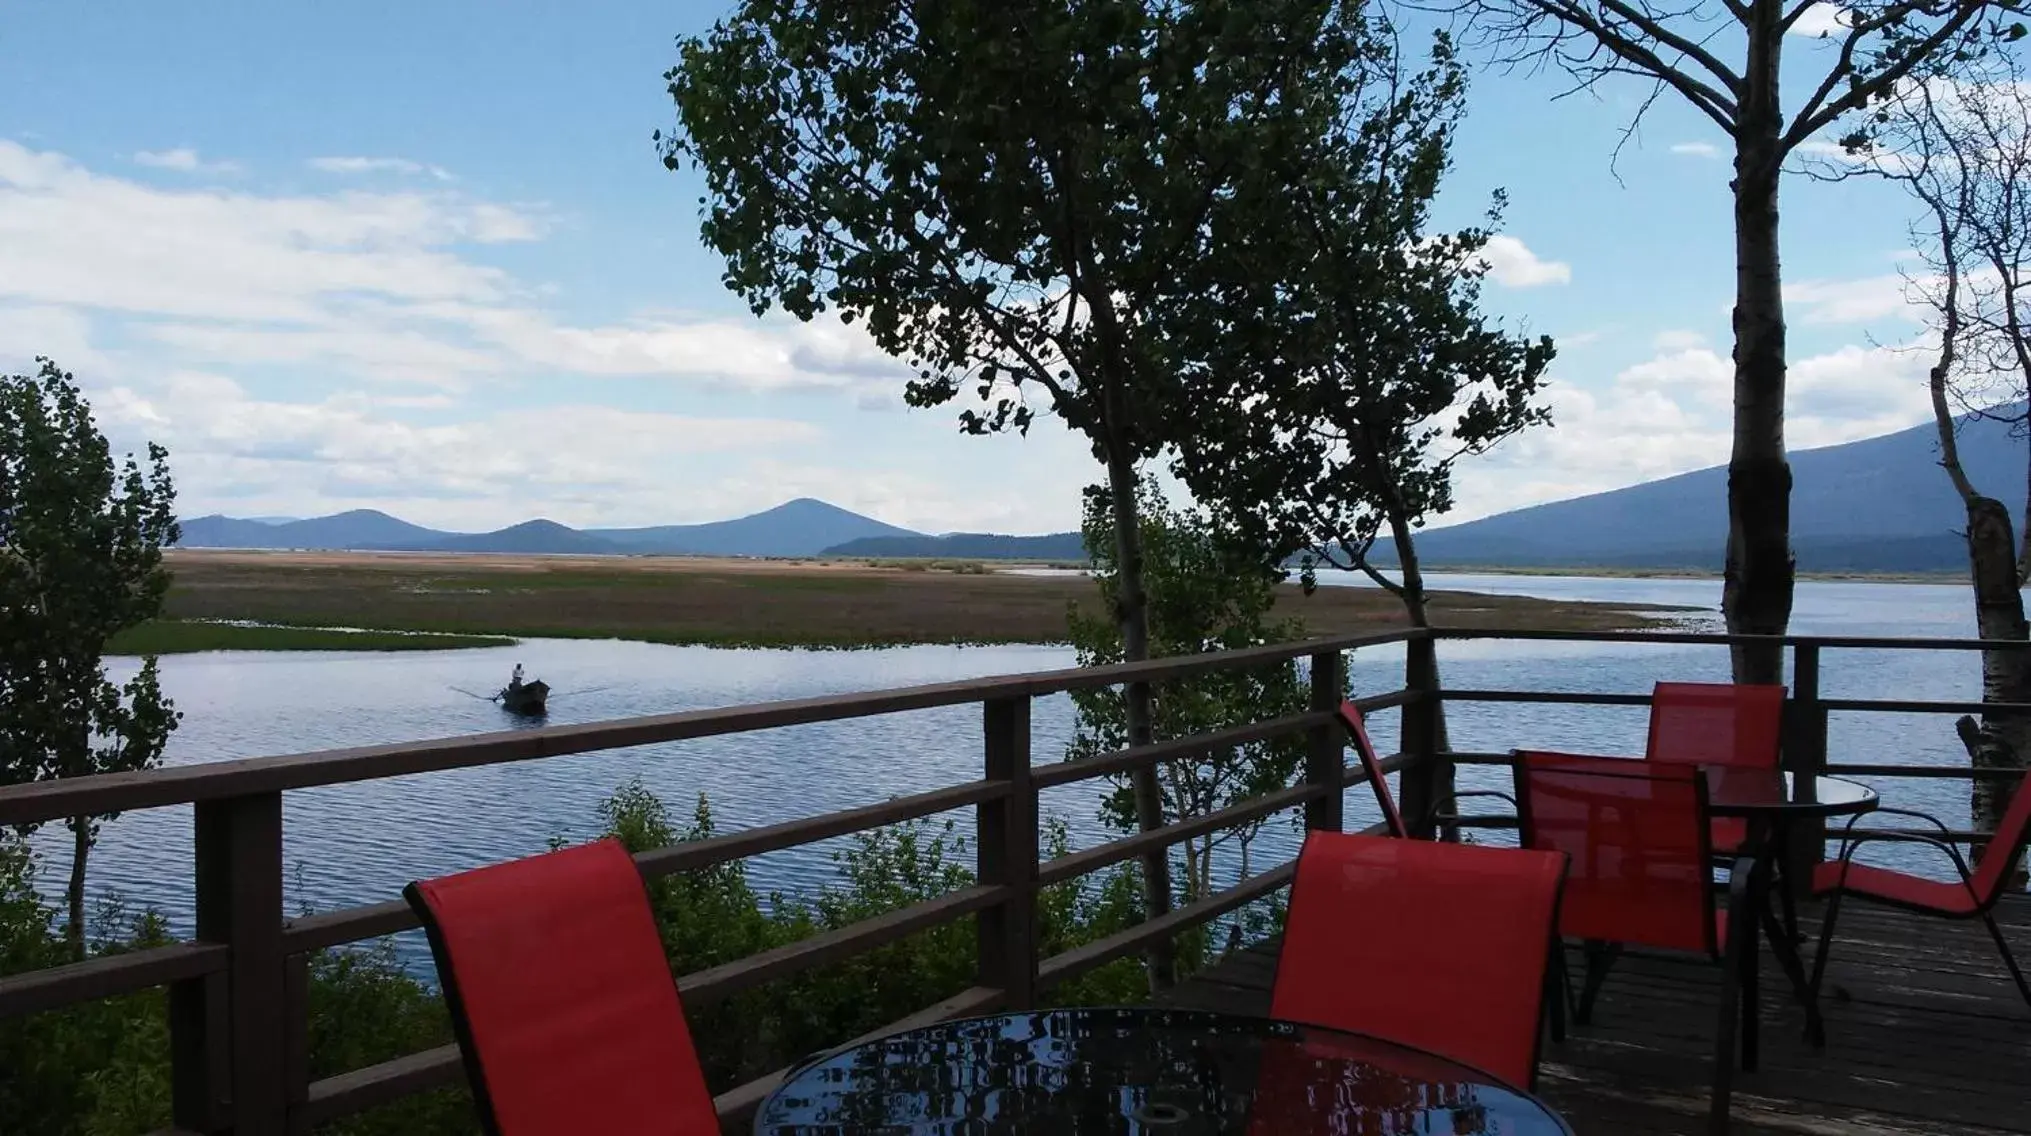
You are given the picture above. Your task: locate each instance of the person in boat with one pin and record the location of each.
(515, 682)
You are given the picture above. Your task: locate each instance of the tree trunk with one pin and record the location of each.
(1416, 604)
(81, 849)
(2003, 740)
(1756, 593)
(1132, 612)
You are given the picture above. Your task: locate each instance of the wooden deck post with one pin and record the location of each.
(1325, 748)
(228, 1036)
(1428, 779)
(1006, 855)
(1804, 754)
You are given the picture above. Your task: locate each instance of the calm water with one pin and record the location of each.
(361, 843)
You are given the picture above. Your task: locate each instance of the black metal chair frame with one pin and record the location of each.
(1853, 840)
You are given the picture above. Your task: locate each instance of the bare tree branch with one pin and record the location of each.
(1819, 111)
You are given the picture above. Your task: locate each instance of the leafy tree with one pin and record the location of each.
(1205, 594)
(1962, 147)
(1680, 48)
(81, 543)
(1387, 374)
(1004, 194)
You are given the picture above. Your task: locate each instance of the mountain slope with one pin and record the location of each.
(1878, 504)
(803, 527)
(529, 537)
(968, 546)
(360, 528)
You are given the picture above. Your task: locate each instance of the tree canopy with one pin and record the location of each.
(1023, 199)
(1384, 372)
(81, 542)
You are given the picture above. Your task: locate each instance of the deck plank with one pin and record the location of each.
(1926, 1036)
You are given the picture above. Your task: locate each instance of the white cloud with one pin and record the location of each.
(229, 446)
(310, 352)
(1679, 340)
(1823, 20)
(1513, 265)
(1848, 301)
(360, 165)
(381, 286)
(1697, 149)
(183, 160)
(581, 464)
(1671, 414)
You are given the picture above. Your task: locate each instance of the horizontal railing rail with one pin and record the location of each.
(238, 990)
(39, 801)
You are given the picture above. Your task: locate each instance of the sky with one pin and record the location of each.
(423, 257)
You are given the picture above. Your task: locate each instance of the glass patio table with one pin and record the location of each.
(1144, 1070)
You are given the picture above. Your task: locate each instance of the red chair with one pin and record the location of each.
(1474, 923)
(1638, 839)
(1357, 734)
(1703, 723)
(561, 997)
(1974, 897)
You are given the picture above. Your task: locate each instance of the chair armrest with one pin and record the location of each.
(1439, 816)
(1465, 793)
(1882, 811)
(1857, 838)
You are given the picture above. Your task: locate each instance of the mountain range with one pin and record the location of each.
(1879, 504)
(803, 527)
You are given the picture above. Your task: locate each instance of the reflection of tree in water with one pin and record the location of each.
(1093, 1071)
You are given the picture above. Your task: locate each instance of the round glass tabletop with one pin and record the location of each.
(1745, 792)
(1144, 1070)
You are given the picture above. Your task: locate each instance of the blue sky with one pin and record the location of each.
(422, 257)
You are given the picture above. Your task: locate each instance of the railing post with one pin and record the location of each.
(1804, 754)
(228, 1036)
(1428, 779)
(1325, 749)
(1006, 855)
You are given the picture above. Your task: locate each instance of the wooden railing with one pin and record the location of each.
(238, 989)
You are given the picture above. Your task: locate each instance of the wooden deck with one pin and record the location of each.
(1925, 1034)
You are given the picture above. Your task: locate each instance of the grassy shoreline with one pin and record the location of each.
(183, 636)
(835, 605)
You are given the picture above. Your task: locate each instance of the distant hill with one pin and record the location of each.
(360, 528)
(529, 537)
(967, 546)
(1878, 504)
(803, 527)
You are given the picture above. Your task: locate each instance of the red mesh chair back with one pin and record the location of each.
(1474, 923)
(1707, 723)
(562, 999)
(1357, 733)
(1636, 835)
(2001, 853)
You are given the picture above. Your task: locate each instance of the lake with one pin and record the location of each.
(360, 843)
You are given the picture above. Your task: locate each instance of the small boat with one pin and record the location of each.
(520, 697)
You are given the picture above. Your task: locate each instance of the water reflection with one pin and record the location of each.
(1144, 1070)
